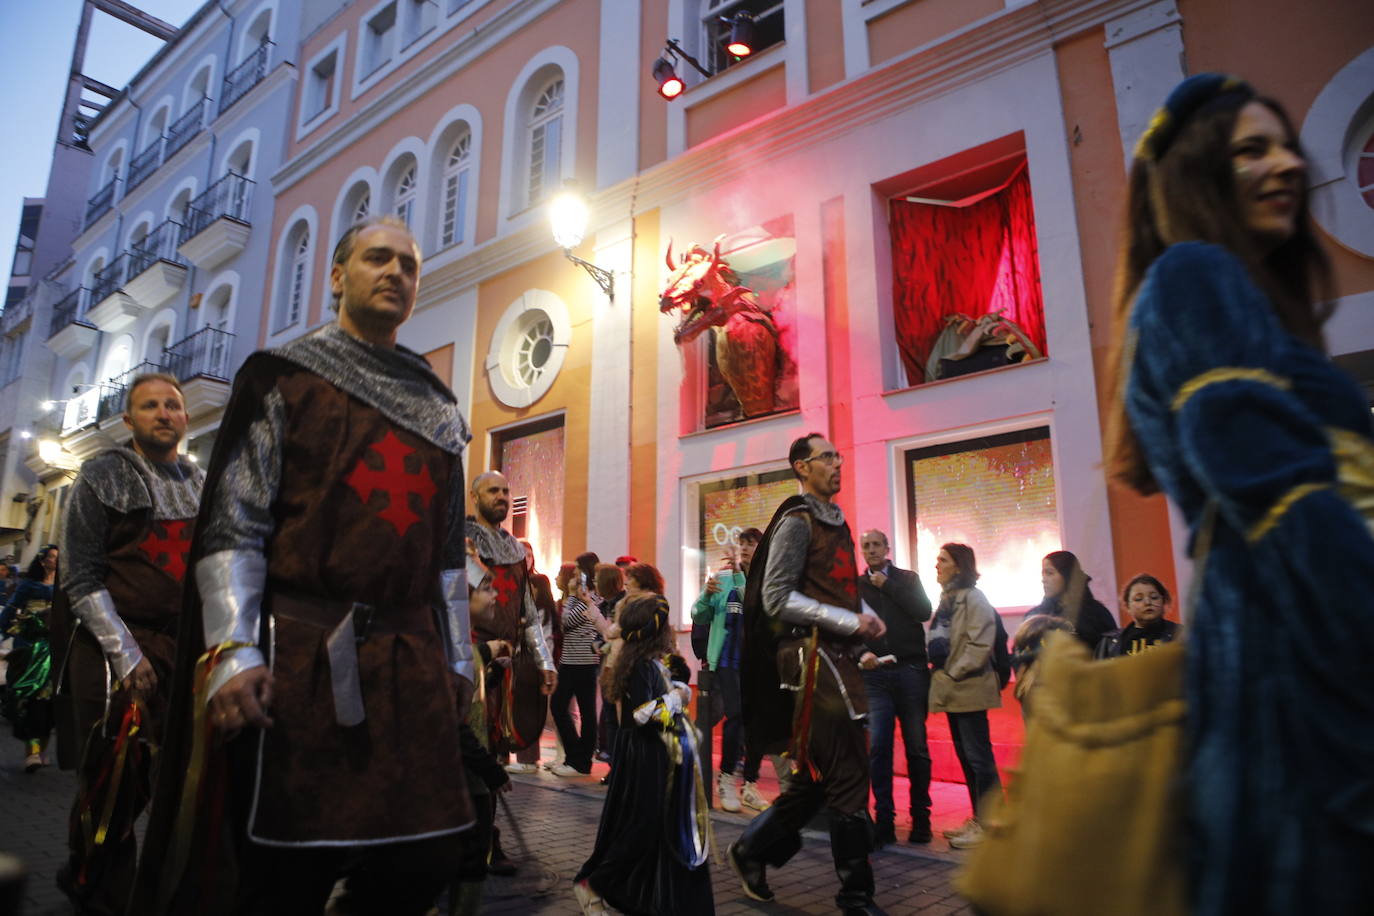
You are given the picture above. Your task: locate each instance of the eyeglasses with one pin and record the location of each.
(828, 458)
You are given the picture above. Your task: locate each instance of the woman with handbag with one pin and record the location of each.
(1231, 406)
(963, 684)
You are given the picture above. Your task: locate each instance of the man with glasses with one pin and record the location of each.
(805, 629)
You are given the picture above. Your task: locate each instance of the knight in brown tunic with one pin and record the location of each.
(518, 704)
(332, 615)
(126, 539)
(805, 627)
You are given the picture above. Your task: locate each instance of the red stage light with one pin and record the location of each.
(670, 85)
(741, 41)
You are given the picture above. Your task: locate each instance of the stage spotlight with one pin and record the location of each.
(741, 43)
(669, 83)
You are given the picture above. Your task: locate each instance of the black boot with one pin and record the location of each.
(920, 827)
(850, 842)
(884, 833)
(768, 840)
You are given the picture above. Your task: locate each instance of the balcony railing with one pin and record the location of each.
(204, 353)
(244, 77)
(145, 163)
(112, 391)
(158, 245)
(229, 197)
(109, 279)
(70, 309)
(101, 203)
(186, 127)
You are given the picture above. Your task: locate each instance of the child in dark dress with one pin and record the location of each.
(652, 843)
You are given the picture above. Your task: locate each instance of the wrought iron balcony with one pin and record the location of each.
(109, 278)
(230, 197)
(70, 309)
(244, 77)
(186, 127)
(101, 203)
(145, 163)
(204, 354)
(112, 391)
(160, 244)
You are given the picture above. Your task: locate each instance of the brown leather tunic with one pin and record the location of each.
(362, 512)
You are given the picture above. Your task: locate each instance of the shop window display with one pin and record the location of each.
(735, 296)
(727, 507)
(966, 269)
(996, 494)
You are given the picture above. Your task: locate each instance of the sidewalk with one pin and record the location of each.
(556, 828)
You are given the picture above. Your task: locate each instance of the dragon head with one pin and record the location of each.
(704, 288)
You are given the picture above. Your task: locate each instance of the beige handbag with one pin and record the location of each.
(1093, 818)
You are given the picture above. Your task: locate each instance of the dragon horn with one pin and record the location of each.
(715, 252)
(669, 256)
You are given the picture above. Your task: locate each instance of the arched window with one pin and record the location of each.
(176, 210)
(113, 167)
(240, 161)
(545, 142)
(457, 168)
(217, 317)
(158, 340)
(362, 207)
(405, 195)
(157, 126)
(119, 360)
(199, 87)
(295, 294)
(258, 34)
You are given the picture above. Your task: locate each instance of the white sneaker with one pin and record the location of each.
(753, 798)
(562, 769)
(961, 829)
(589, 900)
(728, 791)
(522, 768)
(969, 838)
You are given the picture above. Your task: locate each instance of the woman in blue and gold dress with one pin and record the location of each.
(1233, 409)
(28, 693)
(651, 846)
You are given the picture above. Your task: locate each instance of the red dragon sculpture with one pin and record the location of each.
(707, 291)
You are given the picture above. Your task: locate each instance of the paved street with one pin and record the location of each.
(558, 827)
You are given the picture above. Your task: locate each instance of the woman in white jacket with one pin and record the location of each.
(964, 684)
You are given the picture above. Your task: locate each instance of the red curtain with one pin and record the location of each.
(975, 259)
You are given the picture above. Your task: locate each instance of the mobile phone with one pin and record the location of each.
(885, 660)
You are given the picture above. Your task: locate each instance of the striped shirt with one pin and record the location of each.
(580, 636)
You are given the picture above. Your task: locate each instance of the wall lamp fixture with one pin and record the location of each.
(740, 43)
(568, 218)
(670, 85)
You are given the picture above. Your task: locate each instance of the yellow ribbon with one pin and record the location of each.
(195, 771)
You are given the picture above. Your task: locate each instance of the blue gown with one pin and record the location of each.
(1232, 410)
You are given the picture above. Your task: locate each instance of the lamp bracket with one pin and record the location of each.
(671, 44)
(604, 278)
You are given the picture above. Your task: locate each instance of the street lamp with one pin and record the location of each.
(568, 219)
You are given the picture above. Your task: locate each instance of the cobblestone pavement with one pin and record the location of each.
(558, 825)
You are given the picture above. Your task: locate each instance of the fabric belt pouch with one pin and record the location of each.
(1093, 817)
(349, 624)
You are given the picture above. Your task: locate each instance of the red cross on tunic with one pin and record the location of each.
(395, 481)
(844, 572)
(169, 550)
(503, 582)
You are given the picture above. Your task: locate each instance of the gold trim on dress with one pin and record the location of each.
(1279, 509)
(1226, 374)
